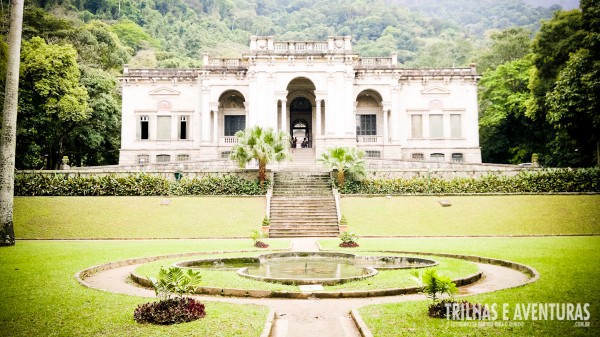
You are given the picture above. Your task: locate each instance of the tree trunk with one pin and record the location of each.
(341, 178)
(262, 173)
(8, 138)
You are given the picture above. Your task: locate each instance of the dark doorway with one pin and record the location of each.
(301, 117)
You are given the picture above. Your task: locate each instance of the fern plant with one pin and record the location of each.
(435, 286)
(174, 281)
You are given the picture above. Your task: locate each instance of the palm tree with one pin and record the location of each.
(346, 160)
(264, 145)
(9, 126)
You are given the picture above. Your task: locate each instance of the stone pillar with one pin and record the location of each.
(216, 126)
(318, 116)
(284, 122)
(385, 124)
(205, 111)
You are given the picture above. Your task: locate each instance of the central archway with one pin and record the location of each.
(301, 98)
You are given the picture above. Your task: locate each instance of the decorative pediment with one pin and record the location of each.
(164, 92)
(435, 91)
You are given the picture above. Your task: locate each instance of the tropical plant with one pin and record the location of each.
(346, 161)
(256, 236)
(174, 281)
(348, 239)
(264, 145)
(433, 285)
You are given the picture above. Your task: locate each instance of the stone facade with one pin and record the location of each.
(317, 90)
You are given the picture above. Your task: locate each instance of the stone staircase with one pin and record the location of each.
(302, 205)
(301, 160)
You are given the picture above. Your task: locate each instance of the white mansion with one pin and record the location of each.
(316, 90)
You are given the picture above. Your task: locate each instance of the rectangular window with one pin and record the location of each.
(367, 125)
(183, 125)
(457, 157)
(417, 156)
(436, 126)
(455, 126)
(163, 158)
(143, 127)
(143, 159)
(164, 127)
(372, 154)
(183, 157)
(439, 157)
(233, 124)
(225, 154)
(417, 126)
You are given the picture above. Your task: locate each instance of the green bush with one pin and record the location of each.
(32, 184)
(555, 180)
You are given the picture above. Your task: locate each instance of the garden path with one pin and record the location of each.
(311, 317)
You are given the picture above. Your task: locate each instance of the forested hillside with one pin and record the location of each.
(80, 46)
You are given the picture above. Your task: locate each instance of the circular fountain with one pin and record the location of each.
(300, 268)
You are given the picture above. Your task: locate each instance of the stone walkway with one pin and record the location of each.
(311, 317)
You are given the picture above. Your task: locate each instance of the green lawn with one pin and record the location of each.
(473, 215)
(569, 274)
(136, 217)
(40, 296)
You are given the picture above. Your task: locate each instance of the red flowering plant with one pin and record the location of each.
(172, 307)
(348, 240)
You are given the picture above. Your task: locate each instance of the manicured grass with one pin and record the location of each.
(136, 217)
(40, 296)
(569, 274)
(473, 215)
(385, 279)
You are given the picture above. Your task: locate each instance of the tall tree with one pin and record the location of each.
(52, 100)
(264, 145)
(8, 135)
(574, 102)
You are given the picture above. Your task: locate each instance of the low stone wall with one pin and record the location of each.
(394, 169)
(169, 173)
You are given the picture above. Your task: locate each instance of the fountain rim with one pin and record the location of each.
(367, 270)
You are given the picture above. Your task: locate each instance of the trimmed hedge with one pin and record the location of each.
(544, 181)
(132, 185)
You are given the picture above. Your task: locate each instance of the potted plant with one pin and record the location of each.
(256, 236)
(348, 240)
(343, 224)
(265, 225)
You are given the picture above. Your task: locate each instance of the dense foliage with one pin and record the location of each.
(545, 181)
(32, 184)
(547, 106)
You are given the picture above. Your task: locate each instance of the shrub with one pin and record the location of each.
(170, 311)
(433, 285)
(167, 310)
(544, 181)
(348, 240)
(174, 281)
(141, 184)
(256, 236)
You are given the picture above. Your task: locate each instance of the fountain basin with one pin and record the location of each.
(301, 268)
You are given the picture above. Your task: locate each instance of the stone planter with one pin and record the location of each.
(343, 228)
(265, 229)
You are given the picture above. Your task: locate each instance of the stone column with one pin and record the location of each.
(205, 111)
(216, 126)
(386, 109)
(318, 116)
(284, 115)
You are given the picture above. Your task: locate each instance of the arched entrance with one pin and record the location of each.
(301, 117)
(301, 98)
(300, 131)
